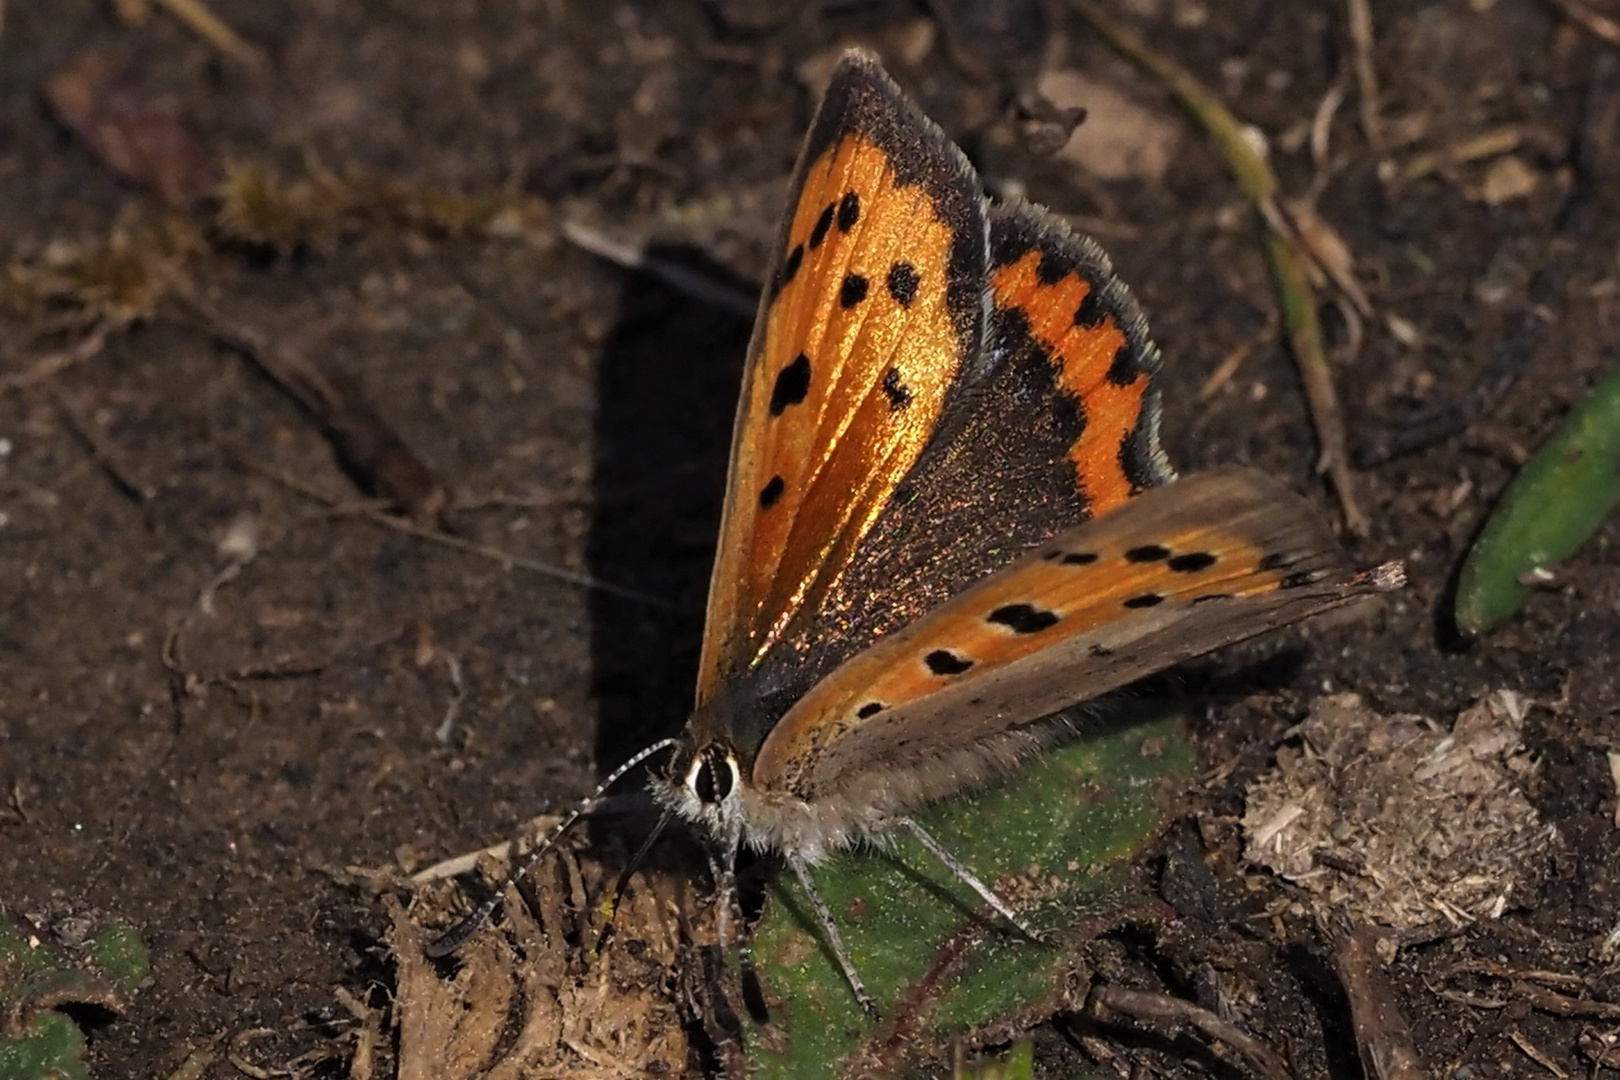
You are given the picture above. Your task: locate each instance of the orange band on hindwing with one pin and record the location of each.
(1085, 343)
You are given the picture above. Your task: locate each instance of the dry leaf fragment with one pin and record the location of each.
(133, 136)
(1506, 180)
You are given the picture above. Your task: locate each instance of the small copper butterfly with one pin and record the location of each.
(948, 519)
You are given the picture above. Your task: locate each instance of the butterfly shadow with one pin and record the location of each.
(667, 385)
(666, 393)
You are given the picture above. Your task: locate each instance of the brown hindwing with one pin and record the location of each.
(1183, 569)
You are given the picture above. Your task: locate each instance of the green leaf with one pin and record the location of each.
(39, 976)
(120, 955)
(1555, 503)
(1054, 842)
(50, 1048)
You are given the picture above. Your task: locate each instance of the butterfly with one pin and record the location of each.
(948, 520)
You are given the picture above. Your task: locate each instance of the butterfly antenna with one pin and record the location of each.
(621, 886)
(459, 934)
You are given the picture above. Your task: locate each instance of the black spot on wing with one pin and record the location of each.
(1146, 600)
(1091, 312)
(870, 709)
(771, 493)
(898, 393)
(1147, 553)
(945, 662)
(792, 384)
(1191, 562)
(853, 290)
(788, 270)
(1052, 268)
(1300, 579)
(902, 283)
(849, 211)
(1023, 618)
(1126, 367)
(818, 232)
(1018, 230)
(1211, 596)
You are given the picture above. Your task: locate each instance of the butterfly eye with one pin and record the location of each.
(713, 775)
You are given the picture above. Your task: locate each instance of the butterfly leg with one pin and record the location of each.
(966, 876)
(723, 867)
(835, 940)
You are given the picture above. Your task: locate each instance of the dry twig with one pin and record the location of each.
(53, 364)
(510, 850)
(1599, 26)
(1535, 1054)
(1361, 41)
(218, 33)
(378, 457)
(1603, 1049)
(1145, 1006)
(1489, 144)
(371, 512)
(1383, 1038)
(682, 279)
(102, 451)
(1532, 988)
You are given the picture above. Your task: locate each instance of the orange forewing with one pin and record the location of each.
(1171, 574)
(846, 378)
(1083, 347)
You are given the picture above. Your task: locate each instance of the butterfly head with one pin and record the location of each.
(713, 775)
(704, 786)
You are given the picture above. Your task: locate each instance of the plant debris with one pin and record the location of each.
(1397, 821)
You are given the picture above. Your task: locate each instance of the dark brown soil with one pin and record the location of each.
(205, 753)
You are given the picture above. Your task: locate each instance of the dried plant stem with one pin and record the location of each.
(1383, 1036)
(1149, 1007)
(1599, 26)
(217, 32)
(52, 364)
(377, 514)
(1359, 17)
